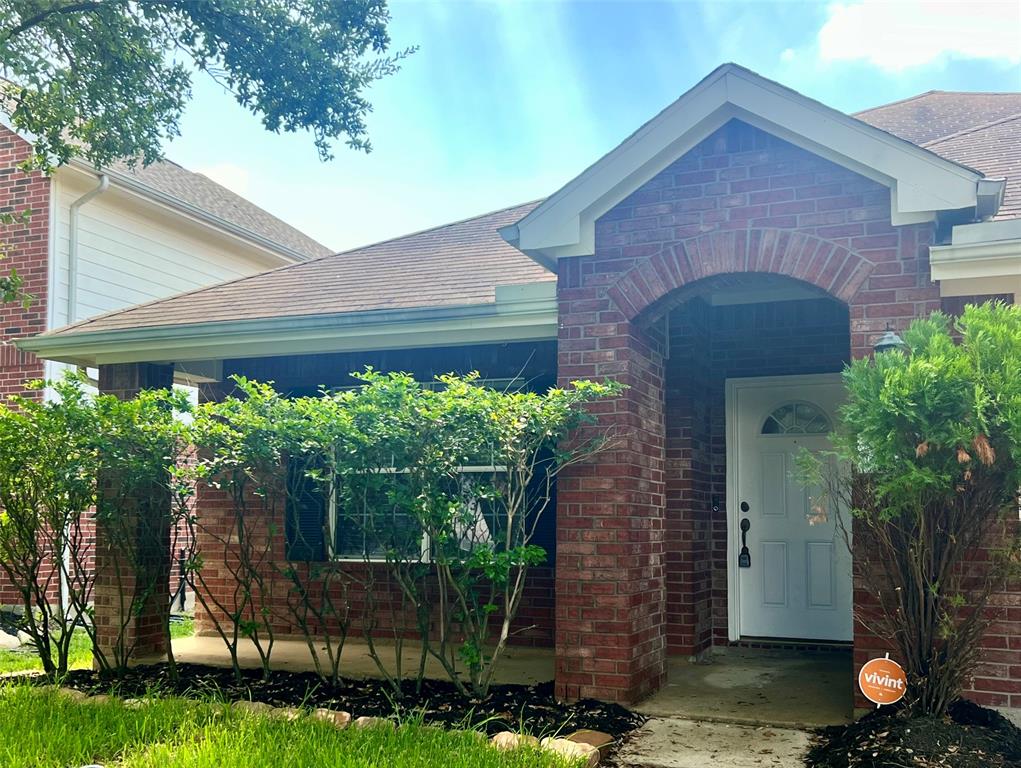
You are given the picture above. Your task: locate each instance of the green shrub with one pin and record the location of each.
(933, 436)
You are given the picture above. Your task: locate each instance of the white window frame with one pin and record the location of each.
(426, 543)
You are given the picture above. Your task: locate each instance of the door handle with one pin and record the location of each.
(744, 559)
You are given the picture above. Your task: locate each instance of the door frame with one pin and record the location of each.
(732, 387)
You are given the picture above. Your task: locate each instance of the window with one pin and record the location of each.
(796, 419)
(365, 515)
(368, 515)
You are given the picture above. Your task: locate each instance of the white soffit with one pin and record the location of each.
(921, 182)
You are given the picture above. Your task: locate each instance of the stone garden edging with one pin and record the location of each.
(587, 745)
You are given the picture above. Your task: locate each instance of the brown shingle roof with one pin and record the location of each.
(202, 192)
(462, 263)
(978, 130)
(457, 264)
(995, 150)
(937, 114)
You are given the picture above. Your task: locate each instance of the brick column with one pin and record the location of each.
(117, 581)
(610, 598)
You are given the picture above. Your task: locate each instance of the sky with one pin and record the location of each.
(505, 102)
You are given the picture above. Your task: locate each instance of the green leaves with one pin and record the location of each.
(925, 419)
(109, 80)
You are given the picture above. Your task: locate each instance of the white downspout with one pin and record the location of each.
(72, 245)
(72, 305)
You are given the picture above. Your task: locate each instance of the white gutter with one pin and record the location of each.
(127, 182)
(72, 305)
(72, 245)
(520, 313)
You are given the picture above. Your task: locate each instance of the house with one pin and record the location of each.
(100, 240)
(725, 261)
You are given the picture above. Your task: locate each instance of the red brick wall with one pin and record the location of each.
(27, 248)
(122, 628)
(742, 201)
(388, 613)
(533, 362)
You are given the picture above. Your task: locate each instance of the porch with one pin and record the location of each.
(782, 687)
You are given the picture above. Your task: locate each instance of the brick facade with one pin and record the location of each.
(641, 561)
(124, 629)
(532, 363)
(26, 247)
(741, 202)
(388, 615)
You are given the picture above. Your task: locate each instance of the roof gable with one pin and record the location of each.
(921, 182)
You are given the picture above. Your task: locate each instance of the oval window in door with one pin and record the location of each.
(796, 418)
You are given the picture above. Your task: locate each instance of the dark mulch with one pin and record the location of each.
(10, 622)
(531, 707)
(972, 737)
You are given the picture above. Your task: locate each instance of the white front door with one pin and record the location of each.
(795, 578)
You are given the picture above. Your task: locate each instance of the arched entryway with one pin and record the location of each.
(645, 539)
(750, 375)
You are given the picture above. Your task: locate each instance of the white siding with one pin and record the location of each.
(132, 251)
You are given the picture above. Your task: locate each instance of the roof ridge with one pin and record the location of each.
(283, 268)
(972, 129)
(930, 93)
(895, 103)
(426, 230)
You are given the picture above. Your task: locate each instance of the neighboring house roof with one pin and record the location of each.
(937, 114)
(198, 191)
(453, 265)
(195, 189)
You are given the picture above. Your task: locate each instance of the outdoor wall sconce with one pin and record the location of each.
(889, 341)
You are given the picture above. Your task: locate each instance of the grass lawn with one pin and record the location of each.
(26, 659)
(41, 728)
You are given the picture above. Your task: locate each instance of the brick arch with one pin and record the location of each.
(835, 269)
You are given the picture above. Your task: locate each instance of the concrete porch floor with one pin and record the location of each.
(796, 689)
(791, 688)
(520, 665)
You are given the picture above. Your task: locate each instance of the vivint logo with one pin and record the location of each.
(882, 681)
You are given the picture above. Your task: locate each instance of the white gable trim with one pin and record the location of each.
(921, 182)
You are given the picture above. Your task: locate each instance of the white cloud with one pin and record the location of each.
(236, 178)
(787, 55)
(899, 34)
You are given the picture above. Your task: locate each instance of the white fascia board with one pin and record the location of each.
(519, 314)
(921, 182)
(978, 268)
(981, 258)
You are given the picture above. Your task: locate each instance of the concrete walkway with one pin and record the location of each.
(676, 743)
(783, 688)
